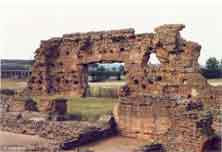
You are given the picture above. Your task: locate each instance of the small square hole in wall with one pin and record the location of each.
(158, 78)
(159, 45)
(150, 81)
(143, 86)
(184, 81)
(122, 49)
(52, 64)
(60, 63)
(136, 81)
(76, 82)
(189, 96)
(67, 52)
(40, 82)
(57, 54)
(57, 80)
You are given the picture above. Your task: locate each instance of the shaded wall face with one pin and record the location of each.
(212, 145)
(61, 63)
(144, 117)
(163, 120)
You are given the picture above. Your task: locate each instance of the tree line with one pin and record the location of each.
(99, 72)
(213, 68)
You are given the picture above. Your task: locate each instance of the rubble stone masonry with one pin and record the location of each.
(158, 102)
(61, 63)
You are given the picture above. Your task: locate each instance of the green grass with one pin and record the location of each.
(90, 108)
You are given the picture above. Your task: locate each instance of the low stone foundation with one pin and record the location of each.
(67, 134)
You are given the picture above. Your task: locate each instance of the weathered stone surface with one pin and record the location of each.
(30, 105)
(158, 102)
(61, 63)
(4, 106)
(175, 124)
(67, 134)
(5, 98)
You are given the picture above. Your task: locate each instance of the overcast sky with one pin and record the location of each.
(23, 23)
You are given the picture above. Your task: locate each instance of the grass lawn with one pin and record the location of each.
(87, 108)
(90, 108)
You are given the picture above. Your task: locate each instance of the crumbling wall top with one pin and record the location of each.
(169, 28)
(101, 34)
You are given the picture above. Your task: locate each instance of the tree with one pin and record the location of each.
(101, 68)
(94, 65)
(120, 72)
(220, 65)
(114, 69)
(121, 69)
(213, 68)
(212, 64)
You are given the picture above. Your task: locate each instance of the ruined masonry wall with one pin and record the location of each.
(151, 104)
(61, 63)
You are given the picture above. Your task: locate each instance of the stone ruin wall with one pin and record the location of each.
(61, 63)
(152, 101)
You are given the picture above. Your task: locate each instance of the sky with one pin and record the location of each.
(24, 23)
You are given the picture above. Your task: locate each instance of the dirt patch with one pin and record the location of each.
(8, 138)
(117, 144)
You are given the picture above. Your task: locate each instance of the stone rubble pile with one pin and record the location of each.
(67, 134)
